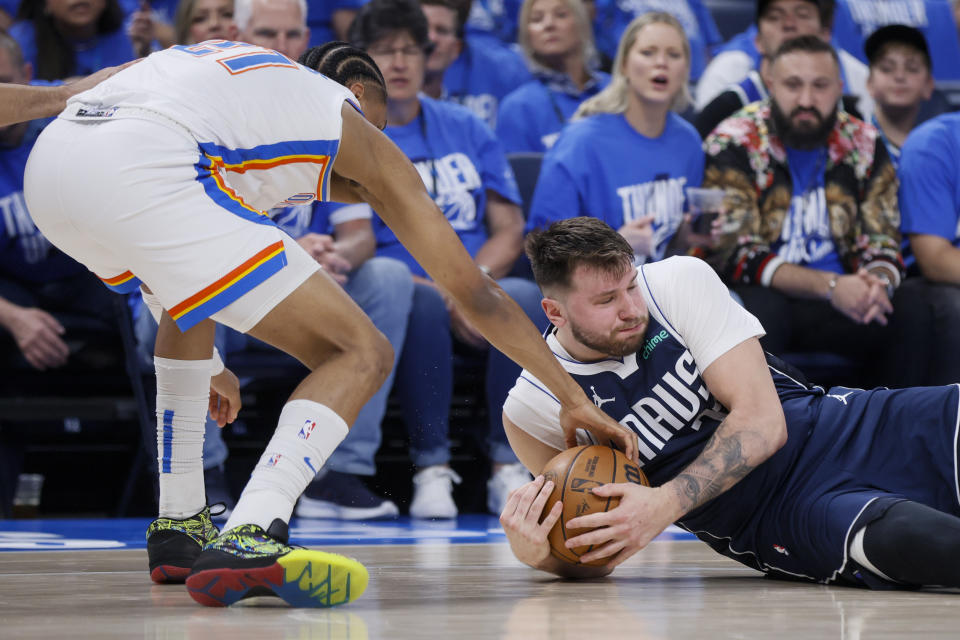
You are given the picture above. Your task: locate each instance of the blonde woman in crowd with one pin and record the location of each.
(557, 42)
(628, 156)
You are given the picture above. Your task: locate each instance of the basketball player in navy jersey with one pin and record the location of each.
(842, 486)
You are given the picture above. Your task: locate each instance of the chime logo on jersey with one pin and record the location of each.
(307, 429)
(274, 459)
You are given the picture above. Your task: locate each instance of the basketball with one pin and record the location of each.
(574, 473)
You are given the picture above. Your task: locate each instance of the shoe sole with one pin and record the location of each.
(302, 578)
(169, 574)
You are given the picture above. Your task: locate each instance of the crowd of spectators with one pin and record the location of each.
(825, 123)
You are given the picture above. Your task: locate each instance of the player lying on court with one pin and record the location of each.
(160, 176)
(848, 486)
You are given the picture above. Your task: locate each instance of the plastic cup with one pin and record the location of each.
(705, 206)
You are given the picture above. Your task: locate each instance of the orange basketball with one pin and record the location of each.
(574, 473)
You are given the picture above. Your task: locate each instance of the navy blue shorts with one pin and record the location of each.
(864, 451)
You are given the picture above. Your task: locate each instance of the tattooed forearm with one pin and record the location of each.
(722, 463)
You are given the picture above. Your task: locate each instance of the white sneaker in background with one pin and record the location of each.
(433, 493)
(506, 479)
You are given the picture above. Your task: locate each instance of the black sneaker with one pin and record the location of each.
(173, 545)
(248, 561)
(343, 496)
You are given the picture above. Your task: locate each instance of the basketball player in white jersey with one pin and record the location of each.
(160, 177)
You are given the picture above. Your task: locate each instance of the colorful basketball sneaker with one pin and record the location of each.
(174, 545)
(248, 561)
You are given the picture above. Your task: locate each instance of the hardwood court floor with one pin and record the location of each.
(673, 589)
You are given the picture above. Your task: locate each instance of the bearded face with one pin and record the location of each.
(804, 128)
(805, 91)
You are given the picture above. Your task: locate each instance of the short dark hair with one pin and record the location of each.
(381, 18)
(557, 251)
(460, 7)
(345, 64)
(806, 44)
(896, 34)
(824, 7)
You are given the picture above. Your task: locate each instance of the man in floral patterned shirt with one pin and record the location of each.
(810, 240)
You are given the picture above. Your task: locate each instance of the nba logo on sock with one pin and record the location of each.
(274, 459)
(307, 429)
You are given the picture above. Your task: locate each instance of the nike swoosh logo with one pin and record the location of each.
(307, 460)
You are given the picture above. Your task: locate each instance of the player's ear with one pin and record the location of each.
(357, 88)
(554, 311)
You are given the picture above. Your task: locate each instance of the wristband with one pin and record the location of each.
(217, 367)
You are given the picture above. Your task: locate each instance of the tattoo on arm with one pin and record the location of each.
(721, 465)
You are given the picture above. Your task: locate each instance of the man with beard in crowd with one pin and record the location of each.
(811, 241)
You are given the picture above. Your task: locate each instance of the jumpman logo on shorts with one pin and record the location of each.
(842, 398)
(597, 400)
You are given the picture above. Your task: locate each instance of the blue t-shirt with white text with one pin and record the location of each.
(458, 159)
(855, 20)
(805, 238)
(602, 167)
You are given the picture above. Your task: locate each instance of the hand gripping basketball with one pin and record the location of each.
(575, 473)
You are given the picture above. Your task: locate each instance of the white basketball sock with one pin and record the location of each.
(307, 433)
(183, 393)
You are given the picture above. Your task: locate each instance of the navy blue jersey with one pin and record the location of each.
(850, 454)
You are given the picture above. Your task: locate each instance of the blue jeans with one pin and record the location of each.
(383, 289)
(425, 381)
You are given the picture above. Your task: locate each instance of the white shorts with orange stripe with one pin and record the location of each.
(131, 200)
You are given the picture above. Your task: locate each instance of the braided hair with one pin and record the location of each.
(345, 64)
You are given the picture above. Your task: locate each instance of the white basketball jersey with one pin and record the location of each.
(267, 128)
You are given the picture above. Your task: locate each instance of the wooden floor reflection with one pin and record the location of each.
(673, 589)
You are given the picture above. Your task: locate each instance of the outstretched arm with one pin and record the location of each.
(22, 102)
(395, 190)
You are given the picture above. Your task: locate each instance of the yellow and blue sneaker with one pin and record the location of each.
(248, 561)
(174, 545)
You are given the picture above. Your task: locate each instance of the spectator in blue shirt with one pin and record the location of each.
(777, 21)
(475, 71)
(900, 81)
(47, 299)
(930, 219)
(330, 19)
(557, 40)
(465, 171)
(627, 157)
(857, 19)
(199, 20)
(63, 39)
(613, 16)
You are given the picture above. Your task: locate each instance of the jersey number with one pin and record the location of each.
(251, 57)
